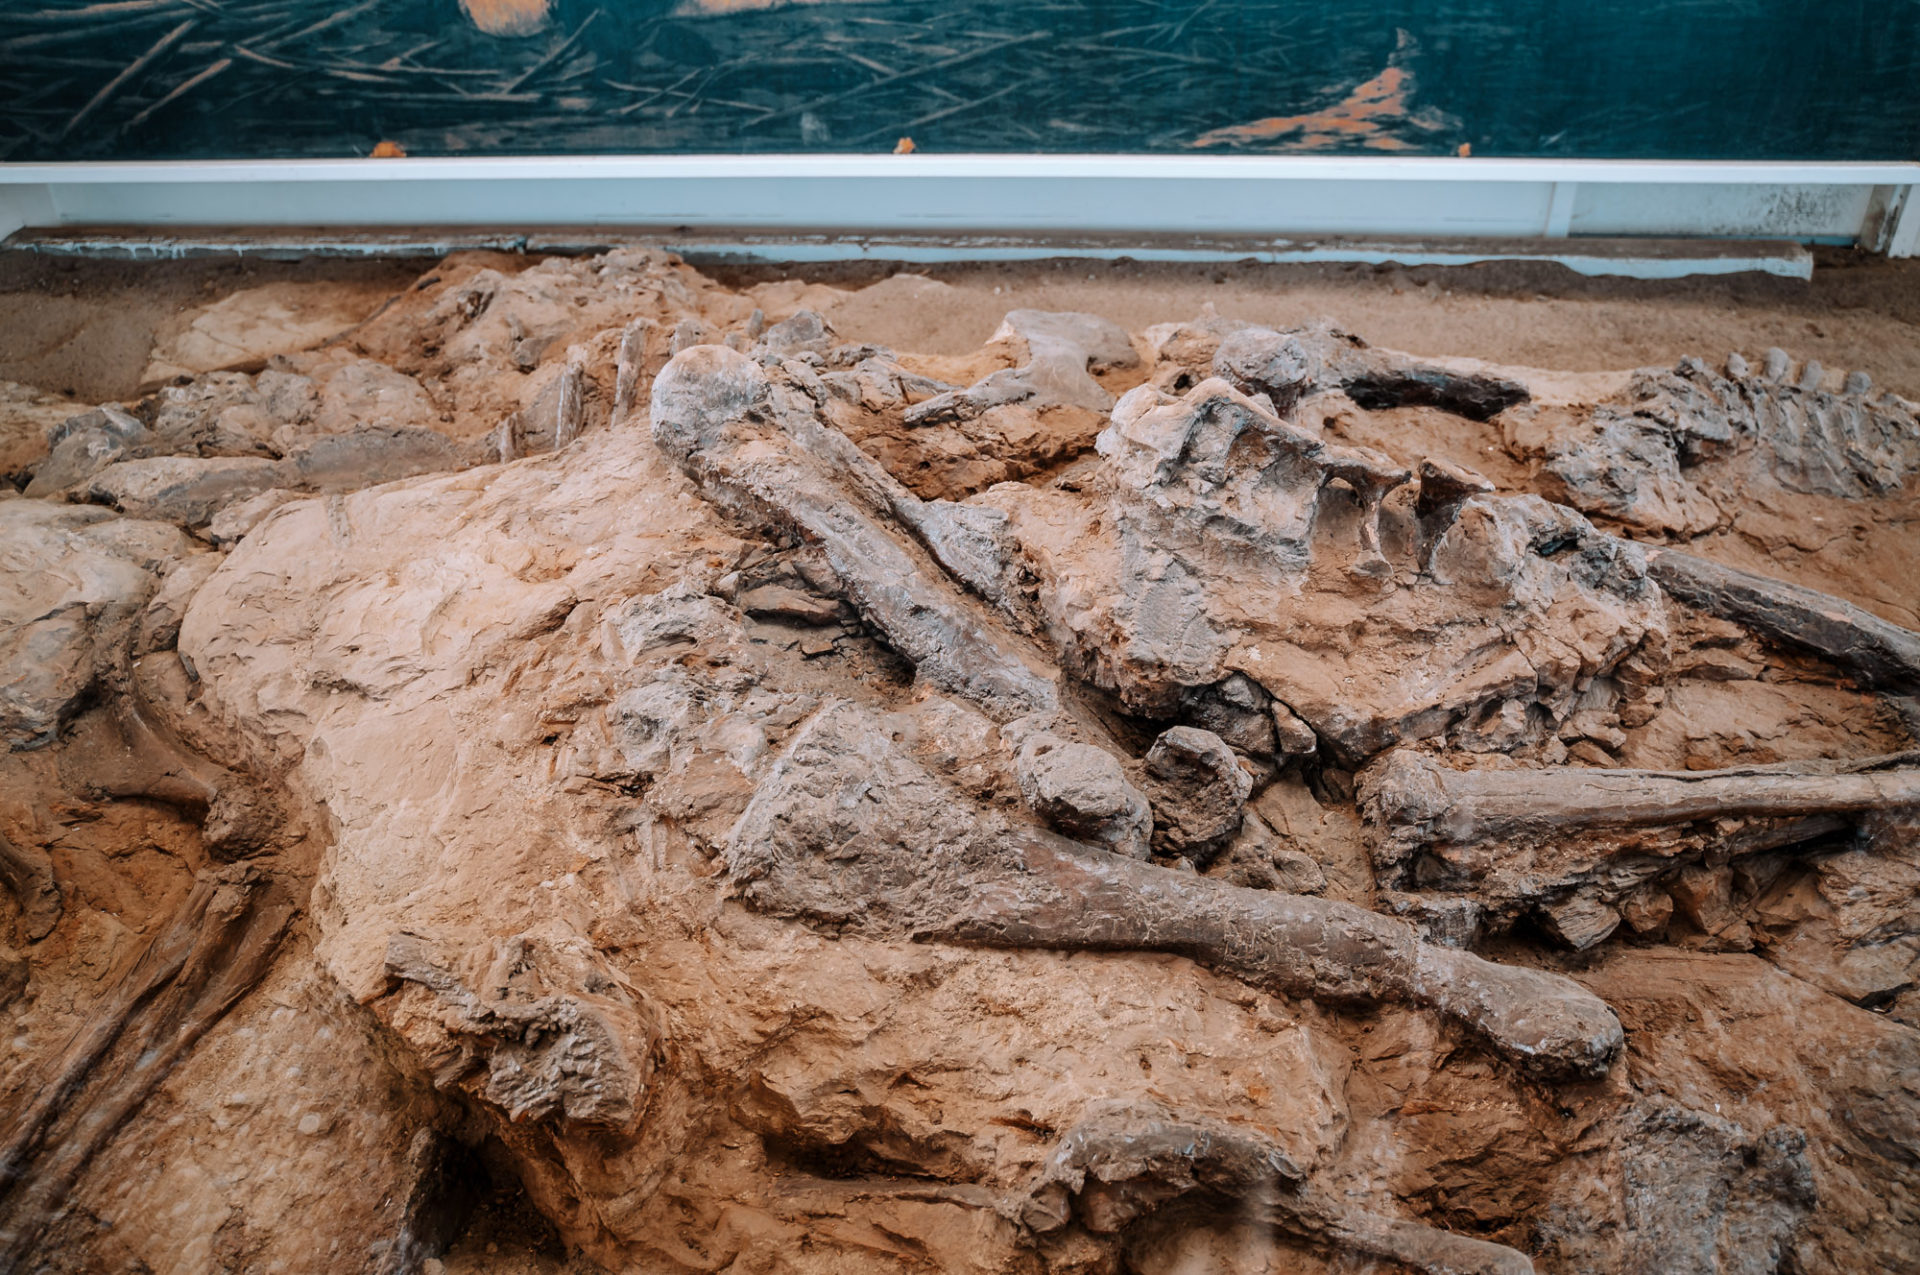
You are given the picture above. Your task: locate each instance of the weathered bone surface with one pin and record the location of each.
(1220, 541)
(719, 416)
(844, 832)
(1575, 844)
(1680, 452)
(661, 778)
(1875, 651)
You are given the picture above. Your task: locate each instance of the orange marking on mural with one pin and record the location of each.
(1371, 116)
(507, 17)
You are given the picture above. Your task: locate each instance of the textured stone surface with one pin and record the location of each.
(593, 765)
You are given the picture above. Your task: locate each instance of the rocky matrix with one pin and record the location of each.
(590, 748)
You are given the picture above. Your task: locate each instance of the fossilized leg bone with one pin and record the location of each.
(716, 414)
(1121, 1164)
(28, 873)
(1878, 652)
(194, 971)
(1519, 839)
(847, 832)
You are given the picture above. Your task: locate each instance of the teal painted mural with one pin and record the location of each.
(1683, 79)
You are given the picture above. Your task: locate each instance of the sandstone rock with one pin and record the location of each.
(254, 324)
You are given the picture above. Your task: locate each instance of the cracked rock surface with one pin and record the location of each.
(593, 763)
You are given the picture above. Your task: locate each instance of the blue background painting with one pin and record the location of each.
(1693, 79)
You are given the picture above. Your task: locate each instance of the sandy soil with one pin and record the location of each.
(85, 328)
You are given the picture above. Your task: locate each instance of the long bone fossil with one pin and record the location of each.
(846, 832)
(1878, 652)
(716, 413)
(1524, 840)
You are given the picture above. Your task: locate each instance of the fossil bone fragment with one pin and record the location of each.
(556, 1053)
(631, 366)
(1679, 450)
(1876, 651)
(747, 442)
(1082, 792)
(1575, 841)
(1218, 540)
(846, 832)
(1290, 364)
(211, 954)
(1060, 350)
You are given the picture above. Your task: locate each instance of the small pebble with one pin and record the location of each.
(309, 1123)
(1858, 382)
(1812, 374)
(1777, 364)
(1737, 365)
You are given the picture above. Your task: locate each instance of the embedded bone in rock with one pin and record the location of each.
(73, 581)
(1876, 651)
(946, 442)
(191, 491)
(1286, 365)
(1218, 540)
(846, 832)
(1061, 348)
(1839, 919)
(217, 947)
(1587, 839)
(1083, 793)
(1444, 488)
(614, 847)
(1124, 1163)
(1199, 793)
(1677, 452)
(1803, 438)
(1261, 361)
(1628, 469)
(542, 1052)
(631, 365)
(762, 452)
(82, 446)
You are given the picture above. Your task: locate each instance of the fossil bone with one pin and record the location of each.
(845, 832)
(1877, 651)
(209, 956)
(718, 416)
(1573, 840)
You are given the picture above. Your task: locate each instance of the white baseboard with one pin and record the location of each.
(1273, 197)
